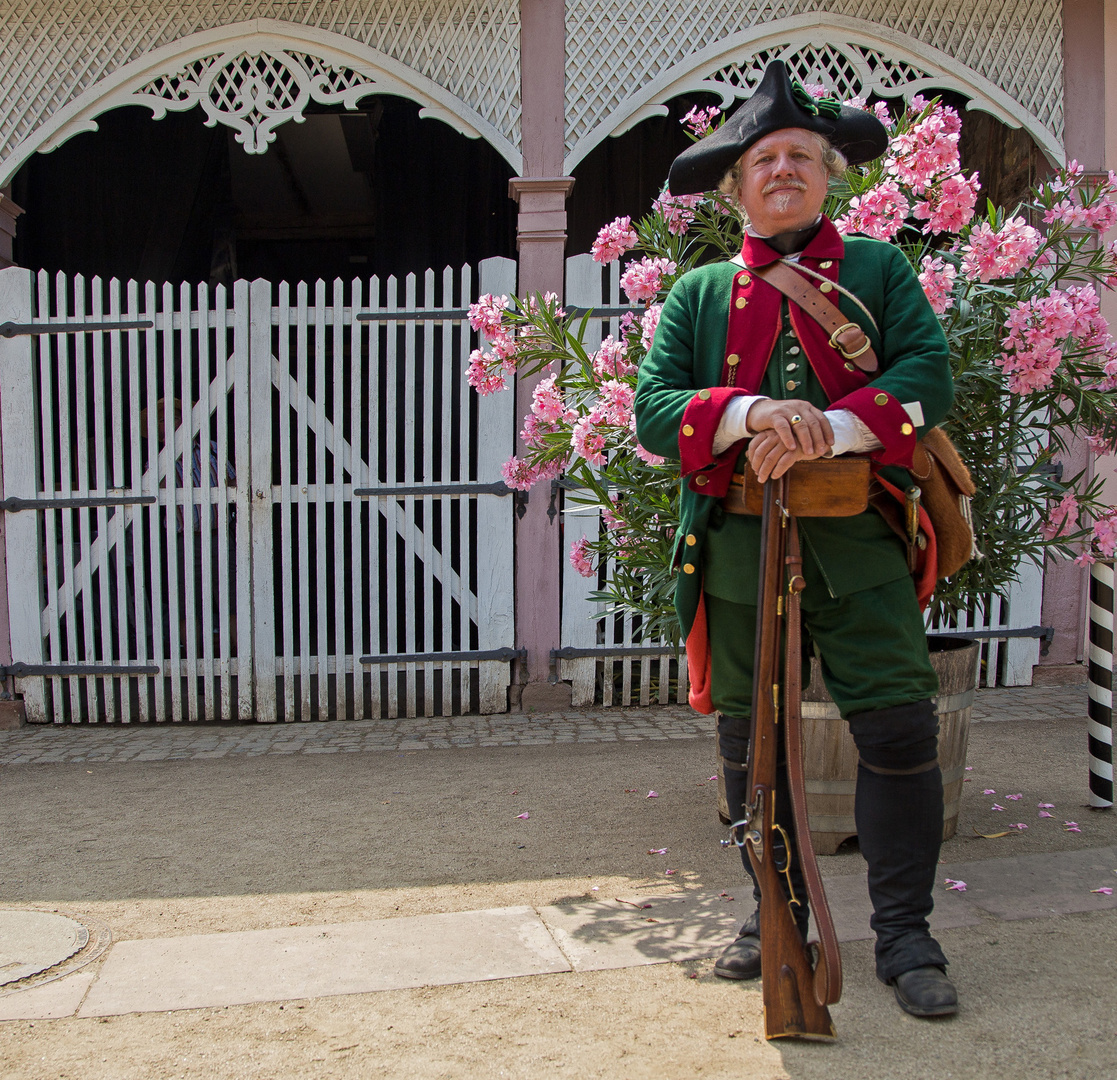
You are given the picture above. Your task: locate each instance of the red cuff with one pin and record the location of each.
(700, 424)
(709, 475)
(887, 419)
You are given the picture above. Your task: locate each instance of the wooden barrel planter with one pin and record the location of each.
(830, 757)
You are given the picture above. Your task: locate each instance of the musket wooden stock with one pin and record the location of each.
(791, 1007)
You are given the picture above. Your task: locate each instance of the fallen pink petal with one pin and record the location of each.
(955, 886)
(969, 768)
(524, 816)
(714, 777)
(1105, 890)
(989, 791)
(1014, 797)
(1018, 825)
(1044, 813)
(996, 806)
(652, 795)
(1046, 805)
(657, 851)
(670, 872)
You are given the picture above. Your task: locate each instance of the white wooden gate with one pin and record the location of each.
(604, 656)
(283, 507)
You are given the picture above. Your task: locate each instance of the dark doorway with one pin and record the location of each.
(343, 194)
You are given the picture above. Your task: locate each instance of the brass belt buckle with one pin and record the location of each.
(841, 330)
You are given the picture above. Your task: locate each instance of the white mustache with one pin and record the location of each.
(775, 184)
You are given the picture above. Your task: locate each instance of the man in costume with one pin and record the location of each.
(736, 369)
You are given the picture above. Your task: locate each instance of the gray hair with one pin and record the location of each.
(833, 161)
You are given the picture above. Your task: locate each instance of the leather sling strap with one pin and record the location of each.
(828, 970)
(847, 337)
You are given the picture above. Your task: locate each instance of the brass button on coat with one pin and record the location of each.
(743, 279)
(687, 429)
(688, 568)
(740, 302)
(881, 399)
(793, 351)
(850, 367)
(791, 384)
(701, 481)
(826, 265)
(733, 359)
(704, 395)
(906, 429)
(792, 367)
(826, 287)
(691, 539)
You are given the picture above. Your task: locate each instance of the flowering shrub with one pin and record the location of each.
(1017, 295)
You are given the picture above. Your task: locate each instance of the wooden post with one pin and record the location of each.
(541, 240)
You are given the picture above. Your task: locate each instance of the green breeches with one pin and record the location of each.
(872, 645)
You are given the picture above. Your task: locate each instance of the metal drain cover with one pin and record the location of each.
(34, 941)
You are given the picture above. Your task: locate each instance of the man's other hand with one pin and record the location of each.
(787, 432)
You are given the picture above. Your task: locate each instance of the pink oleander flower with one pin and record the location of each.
(609, 514)
(1064, 518)
(1105, 534)
(519, 474)
(949, 206)
(1100, 444)
(677, 211)
(547, 402)
(879, 213)
(926, 153)
(587, 439)
(484, 373)
(535, 431)
(988, 254)
(647, 455)
(614, 240)
(937, 278)
(701, 121)
(504, 349)
(643, 280)
(1067, 212)
(485, 316)
(580, 560)
(615, 404)
(609, 360)
(648, 324)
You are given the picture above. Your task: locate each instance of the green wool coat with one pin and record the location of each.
(719, 552)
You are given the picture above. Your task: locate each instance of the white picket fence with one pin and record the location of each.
(621, 668)
(287, 506)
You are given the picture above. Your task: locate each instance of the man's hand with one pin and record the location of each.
(787, 432)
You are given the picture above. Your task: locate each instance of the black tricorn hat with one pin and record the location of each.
(777, 103)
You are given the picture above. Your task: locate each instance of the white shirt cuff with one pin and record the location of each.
(853, 436)
(733, 427)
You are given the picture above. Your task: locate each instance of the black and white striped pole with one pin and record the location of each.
(1100, 686)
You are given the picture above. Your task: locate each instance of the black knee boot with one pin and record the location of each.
(899, 814)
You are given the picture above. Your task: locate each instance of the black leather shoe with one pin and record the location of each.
(925, 991)
(741, 959)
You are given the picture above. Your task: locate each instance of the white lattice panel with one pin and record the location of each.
(50, 54)
(623, 49)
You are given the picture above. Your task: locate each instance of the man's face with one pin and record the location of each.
(783, 181)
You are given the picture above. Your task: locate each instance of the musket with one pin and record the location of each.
(798, 980)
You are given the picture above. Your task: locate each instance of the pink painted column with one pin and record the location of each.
(1090, 110)
(541, 239)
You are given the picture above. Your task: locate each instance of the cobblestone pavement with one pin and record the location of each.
(103, 743)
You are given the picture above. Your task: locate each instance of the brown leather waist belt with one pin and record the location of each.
(828, 487)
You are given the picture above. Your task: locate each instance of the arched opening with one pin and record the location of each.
(342, 194)
(623, 175)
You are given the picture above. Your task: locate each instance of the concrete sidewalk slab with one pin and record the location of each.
(205, 970)
(1040, 885)
(851, 910)
(48, 1001)
(601, 934)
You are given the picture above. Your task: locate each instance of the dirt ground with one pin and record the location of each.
(164, 848)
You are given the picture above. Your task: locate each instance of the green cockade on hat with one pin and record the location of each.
(823, 106)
